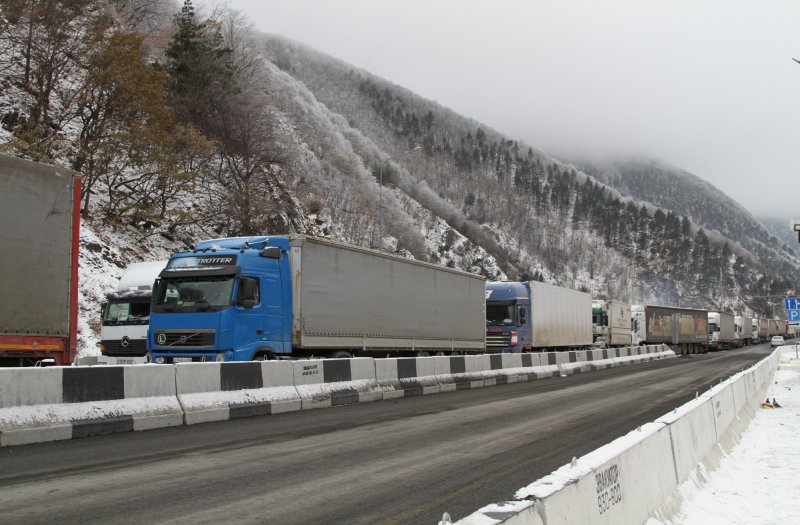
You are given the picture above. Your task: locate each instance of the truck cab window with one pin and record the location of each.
(248, 294)
(499, 315)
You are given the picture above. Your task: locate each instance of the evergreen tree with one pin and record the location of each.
(199, 65)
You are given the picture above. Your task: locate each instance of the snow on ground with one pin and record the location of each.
(758, 481)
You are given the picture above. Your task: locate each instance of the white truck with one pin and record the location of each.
(744, 330)
(611, 323)
(721, 331)
(126, 315)
(760, 330)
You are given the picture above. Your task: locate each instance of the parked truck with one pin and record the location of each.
(611, 323)
(776, 327)
(241, 299)
(721, 331)
(744, 330)
(761, 330)
(126, 315)
(684, 329)
(39, 233)
(525, 316)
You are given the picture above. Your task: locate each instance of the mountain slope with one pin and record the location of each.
(492, 178)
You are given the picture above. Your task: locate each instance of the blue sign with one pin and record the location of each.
(794, 316)
(791, 303)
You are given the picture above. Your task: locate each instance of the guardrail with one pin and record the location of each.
(48, 404)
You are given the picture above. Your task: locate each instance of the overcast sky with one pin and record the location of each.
(706, 85)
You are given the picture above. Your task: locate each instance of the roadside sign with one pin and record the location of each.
(791, 303)
(794, 315)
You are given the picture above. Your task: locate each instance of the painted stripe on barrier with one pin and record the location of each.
(337, 370)
(81, 385)
(101, 427)
(406, 368)
(240, 376)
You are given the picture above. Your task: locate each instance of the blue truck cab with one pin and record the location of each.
(226, 300)
(508, 319)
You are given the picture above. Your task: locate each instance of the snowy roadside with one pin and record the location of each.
(757, 482)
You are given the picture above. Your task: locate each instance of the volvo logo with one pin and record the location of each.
(162, 339)
(125, 341)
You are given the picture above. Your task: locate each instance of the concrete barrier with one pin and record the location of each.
(44, 404)
(335, 382)
(693, 438)
(406, 376)
(637, 476)
(635, 469)
(461, 372)
(48, 404)
(221, 391)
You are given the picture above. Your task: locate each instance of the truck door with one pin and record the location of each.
(248, 325)
(272, 297)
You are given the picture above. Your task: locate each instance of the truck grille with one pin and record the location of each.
(184, 338)
(498, 339)
(114, 347)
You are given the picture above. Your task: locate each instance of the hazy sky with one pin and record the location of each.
(706, 85)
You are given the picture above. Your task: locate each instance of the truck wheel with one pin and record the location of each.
(340, 355)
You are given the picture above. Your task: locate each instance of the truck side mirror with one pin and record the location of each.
(247, 303)
(522, 316)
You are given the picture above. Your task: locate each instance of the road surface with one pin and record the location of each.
(393, 462)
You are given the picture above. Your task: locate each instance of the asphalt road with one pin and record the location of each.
(393, 462)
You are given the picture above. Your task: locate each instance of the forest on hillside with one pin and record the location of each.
(188, 125)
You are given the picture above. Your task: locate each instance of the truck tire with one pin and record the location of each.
(340, 355)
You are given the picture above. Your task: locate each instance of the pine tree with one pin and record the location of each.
(199, 65)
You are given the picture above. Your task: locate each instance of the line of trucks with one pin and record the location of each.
(266, 297)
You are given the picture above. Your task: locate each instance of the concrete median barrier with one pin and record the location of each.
(406, 376)
(461, 372)
(44, 404)
(221, 391)
(335, 382)
(48, 404)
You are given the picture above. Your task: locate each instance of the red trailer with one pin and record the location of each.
(40, 214)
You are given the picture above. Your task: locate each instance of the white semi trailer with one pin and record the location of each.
(721, 331)
(611, 323)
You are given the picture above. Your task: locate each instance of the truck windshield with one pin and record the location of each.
(193, 294)
(499, 315)
(120, 312)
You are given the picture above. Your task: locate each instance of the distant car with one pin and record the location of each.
(777, 340)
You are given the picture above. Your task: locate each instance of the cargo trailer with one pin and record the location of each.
(684, 329)
(40, 217)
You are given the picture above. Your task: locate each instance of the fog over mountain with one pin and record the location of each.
(708, 86)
